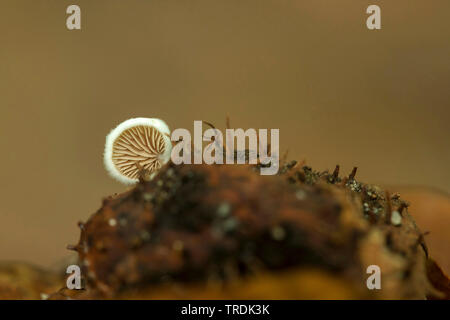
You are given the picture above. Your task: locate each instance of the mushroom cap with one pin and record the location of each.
(135, 144)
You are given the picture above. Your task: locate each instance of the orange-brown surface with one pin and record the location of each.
(338, 93)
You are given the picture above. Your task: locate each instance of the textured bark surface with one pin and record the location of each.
(198, 231)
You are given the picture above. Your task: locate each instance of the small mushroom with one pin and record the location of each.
(137, 144)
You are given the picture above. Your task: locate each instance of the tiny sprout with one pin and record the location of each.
(137, 145)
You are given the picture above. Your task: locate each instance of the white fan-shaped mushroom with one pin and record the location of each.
(136, 144)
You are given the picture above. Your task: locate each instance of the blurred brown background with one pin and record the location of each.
(338, 92)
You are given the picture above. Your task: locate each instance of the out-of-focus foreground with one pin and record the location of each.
(338, 92)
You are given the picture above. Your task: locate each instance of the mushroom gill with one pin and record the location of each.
(135, 145)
